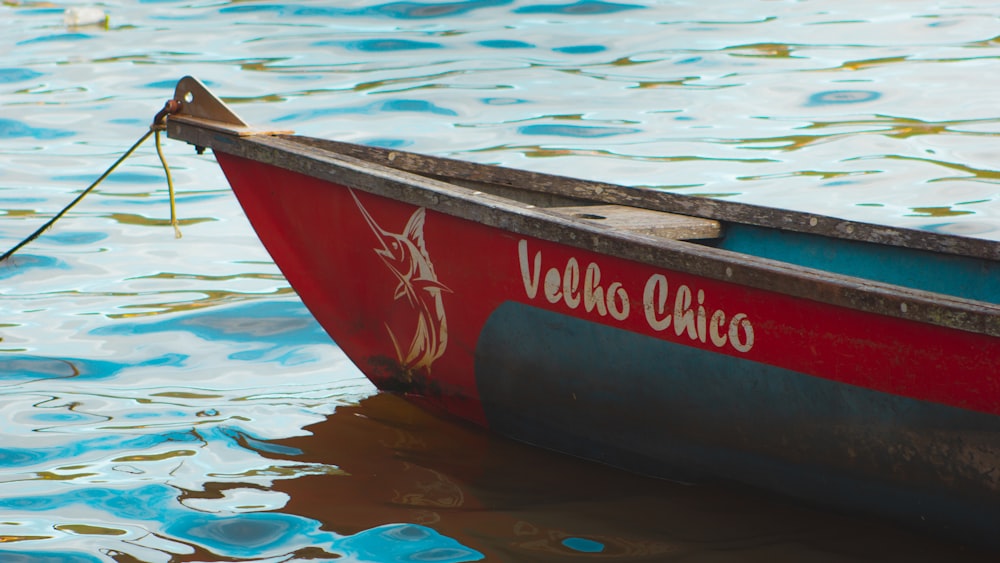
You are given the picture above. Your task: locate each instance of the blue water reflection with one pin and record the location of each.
(275, 329)
(21, 264)
(578, 131)
(376, 45)
(12, 129)
(505, 44)
(421, 10)
(238, 438)
(142, 503)
(76, 451)
(396, 105)
(248, 535)
(56, 37)
(401, 10)
(8, 75)
(581, 8)
(583, 545)
(118, 178)
(405, 543)
(580, 49)
(48, 557)
(75, 237)
(23, 366)
(253, 535)
(843, 97)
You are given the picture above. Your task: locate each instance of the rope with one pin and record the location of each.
(154, 129)
(170, 186)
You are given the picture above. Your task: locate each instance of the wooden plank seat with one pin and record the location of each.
(645, 221)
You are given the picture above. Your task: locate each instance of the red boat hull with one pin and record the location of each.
(654, 370)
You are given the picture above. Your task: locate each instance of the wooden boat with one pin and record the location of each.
(844, 363)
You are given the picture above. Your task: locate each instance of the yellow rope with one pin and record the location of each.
(158, 125)
(170, 187)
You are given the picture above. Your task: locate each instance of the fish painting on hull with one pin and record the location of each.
(405, 255)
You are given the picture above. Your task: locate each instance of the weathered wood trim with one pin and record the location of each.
(643, 221)
(311, 159)
(720, 210)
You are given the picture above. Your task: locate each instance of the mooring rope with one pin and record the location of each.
(159, 124)
(170, 186)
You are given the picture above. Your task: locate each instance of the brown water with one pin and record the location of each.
(512, 502)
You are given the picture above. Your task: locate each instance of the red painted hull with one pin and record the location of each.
(319, 237)
(831, 404)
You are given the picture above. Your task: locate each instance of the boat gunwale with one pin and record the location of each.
(313, 157)
(660, 200)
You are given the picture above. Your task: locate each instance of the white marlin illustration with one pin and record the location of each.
(405, 254)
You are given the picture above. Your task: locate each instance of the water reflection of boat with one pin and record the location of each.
(397, 462)
(845, 363)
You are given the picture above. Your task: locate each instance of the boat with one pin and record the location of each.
(849, 365)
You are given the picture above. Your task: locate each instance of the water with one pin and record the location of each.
(172, 400)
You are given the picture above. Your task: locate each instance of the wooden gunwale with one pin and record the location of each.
(648, 198)
(339, 163)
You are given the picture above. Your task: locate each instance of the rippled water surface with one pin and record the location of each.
(172, 400)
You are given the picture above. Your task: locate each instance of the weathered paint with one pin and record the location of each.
(670, 410)
(948, 274)
(666, 370)
(484, 267)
